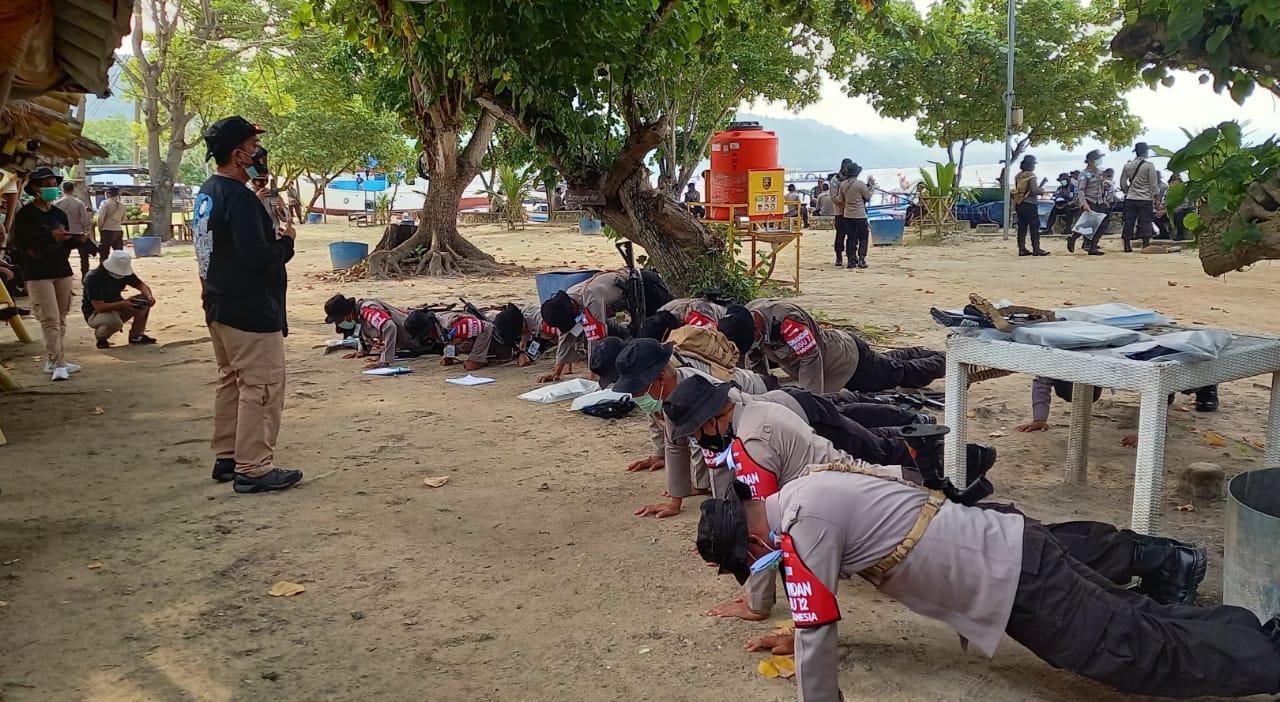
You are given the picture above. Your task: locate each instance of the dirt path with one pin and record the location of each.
(526, 577)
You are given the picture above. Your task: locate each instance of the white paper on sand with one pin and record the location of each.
(565, 390)
(398, 370)
(594, 398)
(469, 380)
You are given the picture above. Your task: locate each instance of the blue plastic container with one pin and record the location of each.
(314, 218)
(553, 282)
(886, 231)
(146, 246)
(590, 226)
(345, 254)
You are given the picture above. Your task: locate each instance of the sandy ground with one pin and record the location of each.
(526, 577)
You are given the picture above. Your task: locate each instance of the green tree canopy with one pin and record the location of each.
(116, 136)
(946, 69)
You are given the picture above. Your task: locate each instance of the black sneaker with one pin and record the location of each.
(839, 260)
(224, 469)
(141, 340)
(277, 479)
(104, 344)
(862, 262)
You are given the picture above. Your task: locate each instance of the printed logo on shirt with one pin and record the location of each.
(595, 330)
(762, 481)
(799, 337)
(812, 604)
(698, 319)
(200, 234)
(374, 315)
(466, 328)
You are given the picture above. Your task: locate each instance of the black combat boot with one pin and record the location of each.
(1146, 241)
(1128, 247)
(1170, 570)
(839, 260)
(224, 469)
(1207, 399)
(1071, 242)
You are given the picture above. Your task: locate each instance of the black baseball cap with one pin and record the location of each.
(37, 175)
(640, 363)
(604, 359)
(228, 133)
(337, 307)
(722, 532)
(695, 400)
(1141, 148)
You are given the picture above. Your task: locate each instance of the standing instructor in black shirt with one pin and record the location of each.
(242, 272)
(42, 238)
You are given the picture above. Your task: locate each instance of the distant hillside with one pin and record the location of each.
(116, 105)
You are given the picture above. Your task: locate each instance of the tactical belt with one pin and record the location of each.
(878, 572)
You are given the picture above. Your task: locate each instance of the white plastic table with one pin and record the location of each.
(1247, 355)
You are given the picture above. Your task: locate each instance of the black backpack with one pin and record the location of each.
(656, 292)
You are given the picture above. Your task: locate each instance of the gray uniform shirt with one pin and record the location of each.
(1140, 180)
(382, 322)
(684, 306)
(855, 195)
(779, 440)
(464, 330)
(1092, 187)
(821, 360)
(964, 571)
(602, 296)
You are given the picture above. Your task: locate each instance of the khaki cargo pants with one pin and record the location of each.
(249, 398)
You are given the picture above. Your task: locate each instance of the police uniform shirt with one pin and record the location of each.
(821, 360)
(695, 310)
(964, 571)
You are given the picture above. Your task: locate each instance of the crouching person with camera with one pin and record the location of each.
(105, 308)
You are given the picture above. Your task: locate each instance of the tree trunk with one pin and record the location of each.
(1261, 208)
(448, 252)
(672, 238)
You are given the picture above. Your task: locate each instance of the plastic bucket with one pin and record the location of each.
(345, 254)
(1251, 558)
(590, 226)
(886, 231)
(553, 282)
(146, 246)
(314, 218)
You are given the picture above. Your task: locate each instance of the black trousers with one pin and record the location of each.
(842, 232)
(1067, 214)
(1138, 217)
(1179, 224)
(88, 249)
(1028, 223)
(870, 414)
(915, 367)
(109, 240)
(1163, 226)
(1077, 619)
(848, 435)
(859, 236)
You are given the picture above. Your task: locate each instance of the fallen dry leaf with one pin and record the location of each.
(768, 669)
(3, 604)
(1180, 408)
(786, 666)
(971, 414)
(10, 562)
(1186, 508)
(996, 434)
(1173, 283)
(435, 482)
(99, 410)
(284, 588)
(784, 626)
(1213, 438)
(95, 566)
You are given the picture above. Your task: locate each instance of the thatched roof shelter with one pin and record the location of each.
(51, 52)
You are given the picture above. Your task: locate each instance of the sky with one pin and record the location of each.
(1186, 104)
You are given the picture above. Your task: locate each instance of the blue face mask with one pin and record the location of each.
(348, 325)
(772, 559)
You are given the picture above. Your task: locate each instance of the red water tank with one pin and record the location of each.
(743, 147)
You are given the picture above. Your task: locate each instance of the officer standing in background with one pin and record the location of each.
(242, 272)
(79, 223)
(1092, 197)
(855, 195)
(1026, 199)
(1140, 182)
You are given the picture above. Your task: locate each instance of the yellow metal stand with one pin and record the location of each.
(6, 383)
(777, 232)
